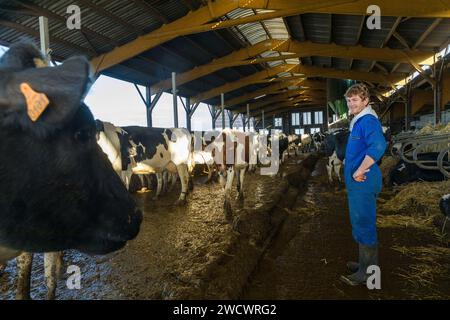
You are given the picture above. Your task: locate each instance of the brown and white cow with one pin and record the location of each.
(233, 151)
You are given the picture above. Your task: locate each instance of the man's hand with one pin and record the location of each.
(360, 176)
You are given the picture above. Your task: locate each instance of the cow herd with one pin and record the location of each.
(65, 175)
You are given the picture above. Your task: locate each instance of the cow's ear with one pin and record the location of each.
(55, 92)
(20, 56)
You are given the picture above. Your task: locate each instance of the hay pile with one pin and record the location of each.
(446, 129)
(395, 221)
(429, 128)
(386, 166)
(439, 129)
(430, 267)
(418, 199)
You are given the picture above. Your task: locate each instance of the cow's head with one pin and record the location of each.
(57, 188)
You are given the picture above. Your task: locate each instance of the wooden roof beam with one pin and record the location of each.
(163, 34)
(299, 49)
(309, 71)
(258, 93)
(242, 82)
(197, 21)
(391, 32)
(276, 98)
(422, 38)
(416, 8)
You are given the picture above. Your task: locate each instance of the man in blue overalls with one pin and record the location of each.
(365, 147)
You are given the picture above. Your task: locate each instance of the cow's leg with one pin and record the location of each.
(165, 185)
(238, 182)
(125, 175)
(329, 170)
(143, 179)
(173, 181)
(190, 183)
(210, 173)
(337, 171)
(222, 178)
(52, 266)
(148, 180)
(241, 184)
(24, 263)
(159, 179)
(184, 178)
(228, 186)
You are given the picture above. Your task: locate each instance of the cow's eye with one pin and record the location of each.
(83, 136)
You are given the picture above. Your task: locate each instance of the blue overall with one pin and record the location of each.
(366, 138)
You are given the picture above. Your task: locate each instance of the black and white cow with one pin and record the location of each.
(318, 141)
(142, 150)
(58, 191)
(335, 146)
(405, 172)
(283, 145)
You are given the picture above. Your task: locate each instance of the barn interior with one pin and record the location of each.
(261, 66)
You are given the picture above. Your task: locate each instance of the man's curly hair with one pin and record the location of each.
(358, 89)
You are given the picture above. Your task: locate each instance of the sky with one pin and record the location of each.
(119, 102)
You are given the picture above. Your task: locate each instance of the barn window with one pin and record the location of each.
(318, 117)
(307, 118)
(299, 131)
(278, 122)
(296, 119)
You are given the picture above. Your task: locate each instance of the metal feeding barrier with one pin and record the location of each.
(440, 161)
(413, 145)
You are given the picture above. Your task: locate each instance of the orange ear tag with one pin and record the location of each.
(36, 102)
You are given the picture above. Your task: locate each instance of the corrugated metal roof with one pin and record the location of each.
(317, 27)
(108, 24)
(346, 29)
(256, 32)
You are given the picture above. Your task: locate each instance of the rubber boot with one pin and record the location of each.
(368, 255)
